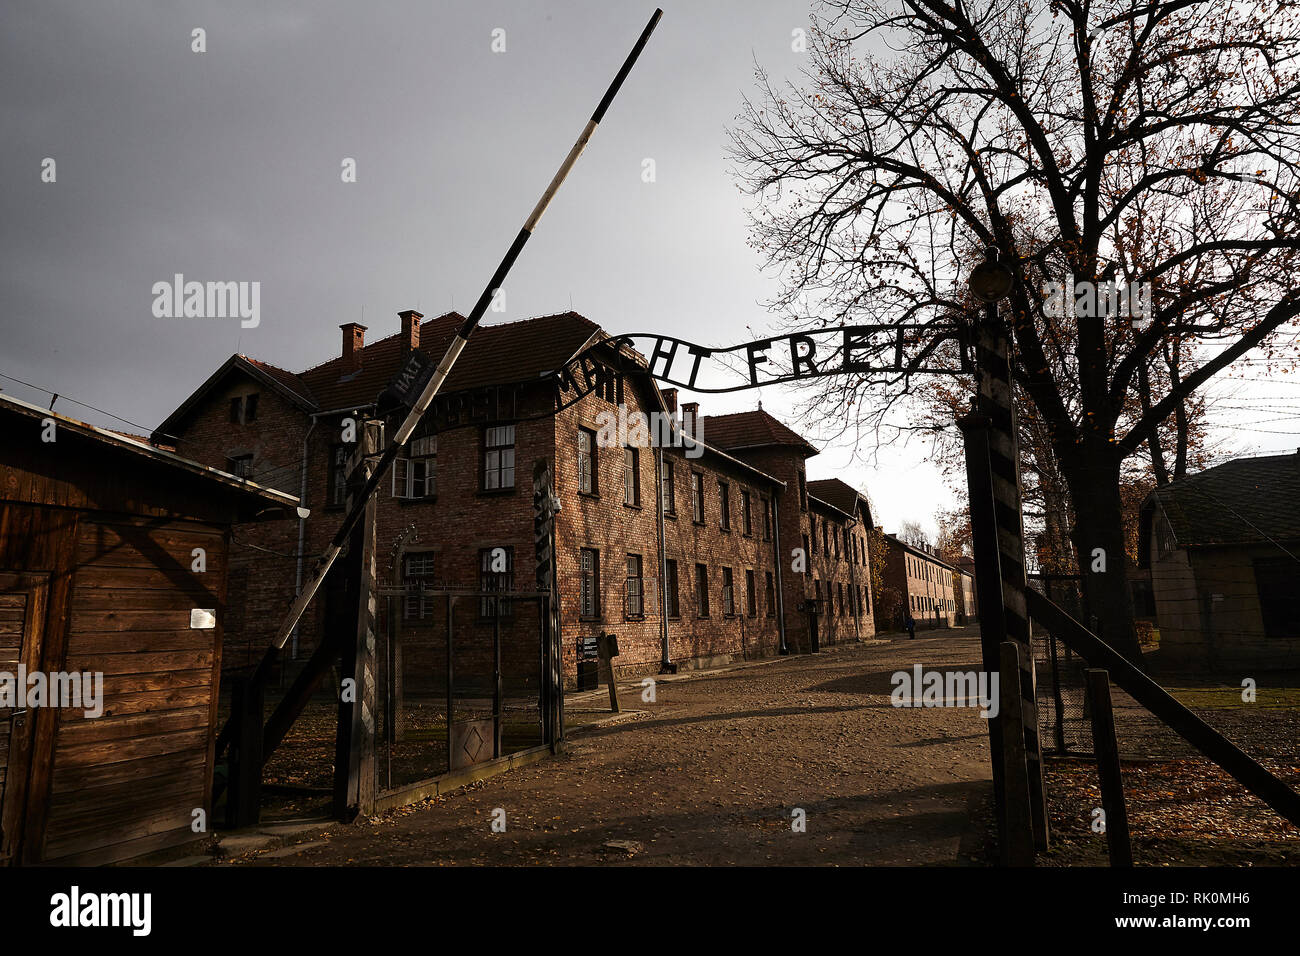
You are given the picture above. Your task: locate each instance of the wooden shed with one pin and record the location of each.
(113, 557)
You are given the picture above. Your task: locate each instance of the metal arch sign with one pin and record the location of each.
(902, 350)
(898, 350)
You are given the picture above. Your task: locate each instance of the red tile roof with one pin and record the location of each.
(841, 495)
(289, 380)
(755, 429)
(497, 354)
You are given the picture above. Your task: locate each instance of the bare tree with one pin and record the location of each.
(1146, 142)
(911, 532)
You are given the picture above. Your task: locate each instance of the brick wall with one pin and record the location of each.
(606, 523)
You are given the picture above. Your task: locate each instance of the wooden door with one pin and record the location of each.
(23, 600)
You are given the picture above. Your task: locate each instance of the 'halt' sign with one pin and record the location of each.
(409, 382)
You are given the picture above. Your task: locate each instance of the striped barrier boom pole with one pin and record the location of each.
(453, 351)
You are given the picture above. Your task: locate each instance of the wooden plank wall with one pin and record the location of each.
(128, 781)
(40, 540)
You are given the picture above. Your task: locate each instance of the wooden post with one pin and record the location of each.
(1017, 846)
(354, 751)
(243, 803)
(1057, 701)
(607, 648)
(1106, 748)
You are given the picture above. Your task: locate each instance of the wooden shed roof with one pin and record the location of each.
(250, 497)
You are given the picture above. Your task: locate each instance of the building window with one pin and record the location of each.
(724, 505)
(771, 595)
(803, 493)
(866, 600)
(746, 520)
(499, 457)
(667, 490)
(336, 494)
(587, 462)
(697, 497)
(243, 409)
(836, 536)
(702, 590)
(496, 572)
(631, 477)
(589, 583)
(826, 550)
(634, 594)
(241, 466)
(812, 529)
(728, 594)
(766, 505)
(416, 474)
(1279, 599)
(830, 600)
(417, 576)
(839, 595)
(751, 599)
(670, 584)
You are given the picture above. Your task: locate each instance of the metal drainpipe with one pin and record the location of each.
(302, 531)
(853, 581)
(780, 589)
(665, 659)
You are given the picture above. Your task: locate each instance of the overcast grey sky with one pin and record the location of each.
(225, 165)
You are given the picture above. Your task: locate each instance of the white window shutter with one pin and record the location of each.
(399, 477)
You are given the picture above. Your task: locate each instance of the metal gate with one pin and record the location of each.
(461, 681)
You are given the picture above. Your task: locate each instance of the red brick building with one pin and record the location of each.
(684, 552)
(922, 582)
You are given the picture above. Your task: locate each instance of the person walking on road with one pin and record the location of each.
(909, 622)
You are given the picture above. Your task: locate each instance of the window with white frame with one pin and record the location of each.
(634, 594)
(631, 477)
(498, 457)
(588, 583)
(415, 475)
(587, 461)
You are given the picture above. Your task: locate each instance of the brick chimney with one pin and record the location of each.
(670, 400)
(354, 340)
(410, 330)
(691, 419)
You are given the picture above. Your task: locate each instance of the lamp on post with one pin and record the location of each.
(991, 280)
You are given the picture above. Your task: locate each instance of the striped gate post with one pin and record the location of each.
(354, 783)
(545, 506)
(994, 401)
